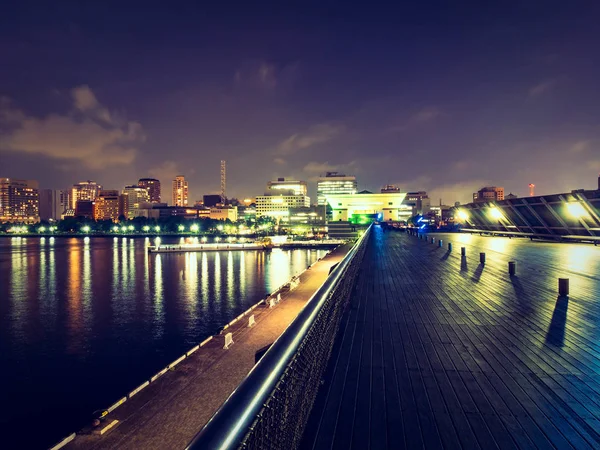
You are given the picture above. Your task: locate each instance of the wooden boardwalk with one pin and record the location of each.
(437, 351)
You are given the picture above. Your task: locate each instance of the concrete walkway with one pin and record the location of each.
(170, 411)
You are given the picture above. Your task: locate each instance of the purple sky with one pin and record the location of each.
(429, 97)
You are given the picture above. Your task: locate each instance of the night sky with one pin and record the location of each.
(437, 96)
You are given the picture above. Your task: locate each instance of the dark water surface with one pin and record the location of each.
(84, 321)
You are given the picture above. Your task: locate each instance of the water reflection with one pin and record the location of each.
(103, 313)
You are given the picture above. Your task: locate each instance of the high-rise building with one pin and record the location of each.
(107, 205)
(180, 191)
(281, 184)
(282, 195)
(136, 196)
(334, 183)
(84, 190)
(84, 208)
(489, 194)
(19, 200)
(153, 187)
(51, 207)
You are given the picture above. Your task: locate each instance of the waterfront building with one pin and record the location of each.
(84, 191)
(224, 213)
(281, 195)
(136, 196)
(51, 206)
(335, 183)
(19, 200)
(489, 194)
(152, 185)
(363, 208)
(109, 205)
(180, 191)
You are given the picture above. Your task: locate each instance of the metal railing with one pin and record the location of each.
(270, 408)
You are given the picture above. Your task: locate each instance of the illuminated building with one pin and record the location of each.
(390, 189)
(19, 200)
(136, 197)
(281, 185)
(224, 213)
(180, 191)
(153, 187)
(419, 202)
(363, 208)
(84, 190)
(109, 205)
(489, 194)
(334, 183)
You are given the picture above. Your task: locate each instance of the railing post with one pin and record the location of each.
(449, 246)
(482, 258)
(463, 251)
(563, 287)
(512, 268)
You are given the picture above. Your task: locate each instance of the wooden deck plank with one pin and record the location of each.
(455, 354)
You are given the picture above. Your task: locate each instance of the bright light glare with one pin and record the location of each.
(576, 210)
(462, 215)
(157, 229)
(41, 229)
(85, 229)
(496, 213)
(146, 228)
(131, 227)
(194, 228)
(181, 228)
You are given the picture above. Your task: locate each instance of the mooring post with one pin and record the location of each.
(440, 242)
(463, 251)
(512, 268)
(563, 287)
(482, 258)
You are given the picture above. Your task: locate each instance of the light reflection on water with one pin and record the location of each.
(83, 321)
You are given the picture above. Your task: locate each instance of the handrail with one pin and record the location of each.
(229, 425)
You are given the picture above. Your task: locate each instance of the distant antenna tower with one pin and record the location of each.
(223, 180)
(531, 189)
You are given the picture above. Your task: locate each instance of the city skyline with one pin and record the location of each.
(434, 112)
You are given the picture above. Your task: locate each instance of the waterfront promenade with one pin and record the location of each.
(439, 351)
(171, 410)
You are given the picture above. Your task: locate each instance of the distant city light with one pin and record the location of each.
(194, 228)
(157, 229)
(41, 229)
(146, 228)
(496, 213)
(115, 229)
(180, 228)
(131, 228)
(85, 229)
(576, 210)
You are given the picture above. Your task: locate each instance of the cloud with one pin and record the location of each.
(422, 116)
(87, 136)
(541, 88)
(280, 161)
(316, 169)
(579, 147)
(316, 134)
(165, 172)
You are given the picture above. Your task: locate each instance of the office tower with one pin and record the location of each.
(106, 205)
(84, 191)
(282, 195)
(153, 187)
(19, 200)
(390, 189)
(136, 197)
(281, 184)
(180, 191)
(419, 201)
(489, 194)
(334, 183)
(51, 207)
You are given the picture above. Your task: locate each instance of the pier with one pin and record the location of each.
(443, 351)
